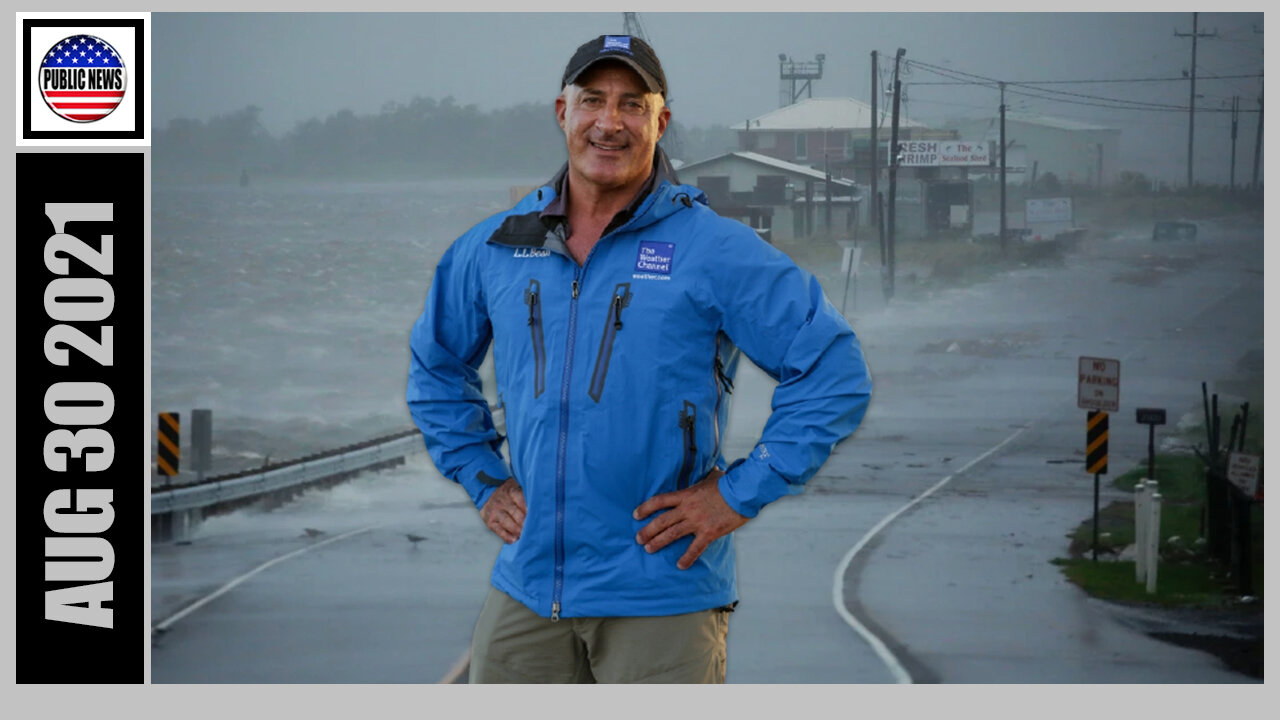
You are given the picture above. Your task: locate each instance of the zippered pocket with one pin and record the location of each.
(689, 426)
(613, 323)
(532, 299)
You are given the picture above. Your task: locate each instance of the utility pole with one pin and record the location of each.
(875, 157)
(826, 188)
(1098, 184)
(1191, 123)
(1257, 148)
(1003, 171)
(1235, 123)
(893, 170)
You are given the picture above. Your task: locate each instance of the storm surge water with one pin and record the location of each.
(285, 308)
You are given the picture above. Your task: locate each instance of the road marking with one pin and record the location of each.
(837, 590)
(169, 621)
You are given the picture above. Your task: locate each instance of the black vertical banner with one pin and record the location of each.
(80, 367)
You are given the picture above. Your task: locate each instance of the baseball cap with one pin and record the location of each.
(629, 49)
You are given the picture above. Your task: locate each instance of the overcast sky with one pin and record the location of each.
(723, 67)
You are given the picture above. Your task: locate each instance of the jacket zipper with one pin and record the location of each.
(689, 424)
(535, 331)
(613, 323)
(562, 450)
(563, 446)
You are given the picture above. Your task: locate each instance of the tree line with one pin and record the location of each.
(423, 138)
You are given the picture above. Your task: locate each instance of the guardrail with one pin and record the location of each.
(305, 471)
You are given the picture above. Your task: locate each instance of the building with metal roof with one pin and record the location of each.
(828, 133)
(780, 199)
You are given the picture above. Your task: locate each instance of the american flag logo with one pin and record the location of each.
(82, 78)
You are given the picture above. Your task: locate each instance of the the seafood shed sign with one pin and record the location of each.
(936, 153)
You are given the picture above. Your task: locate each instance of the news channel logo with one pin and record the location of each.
(85, 79)
(82, 78)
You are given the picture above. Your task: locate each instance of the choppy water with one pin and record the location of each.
(286, 308)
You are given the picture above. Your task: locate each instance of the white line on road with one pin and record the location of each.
(837, 590)
(169, 621)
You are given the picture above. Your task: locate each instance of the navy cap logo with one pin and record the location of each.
(617, 42)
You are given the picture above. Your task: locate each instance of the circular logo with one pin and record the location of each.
(82, 78)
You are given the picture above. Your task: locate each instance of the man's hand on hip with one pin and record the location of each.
(699, 510)
(503, 512)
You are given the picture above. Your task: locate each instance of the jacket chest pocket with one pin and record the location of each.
(619, 301)
(533, 300)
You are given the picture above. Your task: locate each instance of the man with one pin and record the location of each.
(616, 302)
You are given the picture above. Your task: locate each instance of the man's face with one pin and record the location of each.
(611, 124)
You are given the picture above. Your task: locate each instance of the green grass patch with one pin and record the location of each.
(1181, 477)
(1187, 574)
(1189, 584)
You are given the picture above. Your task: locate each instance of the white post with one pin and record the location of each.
(1153, 531)
(1139, 531)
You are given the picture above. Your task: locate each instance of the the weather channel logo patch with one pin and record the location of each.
(82, 78)
(617, 42)
(654, 260)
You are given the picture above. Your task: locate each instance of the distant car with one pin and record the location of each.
(1174, 230)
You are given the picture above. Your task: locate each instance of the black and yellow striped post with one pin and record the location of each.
(1096, 461)
(167, 445)
(1096, 449)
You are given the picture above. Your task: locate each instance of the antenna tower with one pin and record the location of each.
(632, 26)
(800, 75)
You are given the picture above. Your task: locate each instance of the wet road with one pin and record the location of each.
(958, 588)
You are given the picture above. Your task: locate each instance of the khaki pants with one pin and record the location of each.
(513, 644)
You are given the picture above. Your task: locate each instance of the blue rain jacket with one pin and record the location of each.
(614, 376)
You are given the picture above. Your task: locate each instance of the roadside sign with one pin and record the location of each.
(1099, 387)
(850, 258)
(1049, 210)
(1151, 416)
(1243, 472)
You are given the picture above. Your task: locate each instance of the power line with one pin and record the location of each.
(1100, 81)
(1119, 104)
(1087, 100)
(980, 80)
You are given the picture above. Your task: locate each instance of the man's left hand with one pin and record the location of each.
(698, 510)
